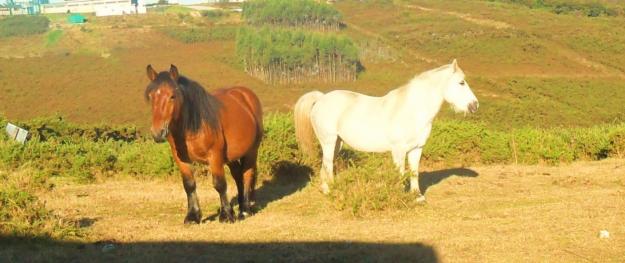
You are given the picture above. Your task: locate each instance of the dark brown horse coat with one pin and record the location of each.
(224, 127)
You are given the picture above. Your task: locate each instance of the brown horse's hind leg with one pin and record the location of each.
(219, 182)
(249, 184)
(194, 214)
(236, 169)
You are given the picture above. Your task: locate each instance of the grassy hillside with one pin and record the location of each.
(528, 66)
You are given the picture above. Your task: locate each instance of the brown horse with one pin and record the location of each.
(224, 127)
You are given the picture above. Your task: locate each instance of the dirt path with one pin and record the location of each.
(496, 213)
(466, 17)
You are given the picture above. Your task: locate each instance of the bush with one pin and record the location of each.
(200, 34)
(23, 215)
(590, 9)
(373, 184)
(23, 26)
(214, 14)
(58, 148)
(294, 13)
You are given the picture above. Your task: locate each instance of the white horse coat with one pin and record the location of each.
(399, 122)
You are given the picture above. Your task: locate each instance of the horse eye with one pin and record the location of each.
(172, 97)
(462, 83)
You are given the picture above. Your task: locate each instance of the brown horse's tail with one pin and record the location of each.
(303, 126)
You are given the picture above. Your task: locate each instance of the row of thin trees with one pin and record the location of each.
(288, 56)
(291, 41)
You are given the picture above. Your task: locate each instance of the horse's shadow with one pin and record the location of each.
(427, 179)
(287, 178)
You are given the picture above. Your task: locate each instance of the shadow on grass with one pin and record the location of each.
(37, 250)
(428, 179)
(287, 178)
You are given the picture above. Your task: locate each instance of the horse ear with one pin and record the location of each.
(454, 64)
(151, 73)
(173, 71)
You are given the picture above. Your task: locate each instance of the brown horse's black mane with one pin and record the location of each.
(198, 106)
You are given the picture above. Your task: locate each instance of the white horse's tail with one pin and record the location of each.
(303, 125)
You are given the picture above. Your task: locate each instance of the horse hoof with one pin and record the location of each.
(243, 215)
(226, 218)
(193, 218)
(325, 189)
(421, 199)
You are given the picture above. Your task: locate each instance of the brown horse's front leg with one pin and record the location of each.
(226, 214)
(194, 214)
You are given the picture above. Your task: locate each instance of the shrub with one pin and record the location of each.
(23, 26)
(23, 215)
(371, 184)
(295, 13)
(200, 34)
(58, 148)
(590, 9)
(213, 14)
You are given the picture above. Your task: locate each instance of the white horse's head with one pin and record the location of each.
(457, 91)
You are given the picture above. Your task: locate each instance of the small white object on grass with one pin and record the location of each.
(604, 234)
(16, 133)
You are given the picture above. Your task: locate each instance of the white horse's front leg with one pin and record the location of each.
(399, 159)
(414, 157)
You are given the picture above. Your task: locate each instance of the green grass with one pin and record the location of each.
(173, 9)
(53, 37)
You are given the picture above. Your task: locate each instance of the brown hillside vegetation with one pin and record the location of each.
(521, 73)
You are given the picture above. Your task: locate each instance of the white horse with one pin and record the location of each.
(399, 122)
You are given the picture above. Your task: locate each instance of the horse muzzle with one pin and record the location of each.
(473, 106)
(160, 135)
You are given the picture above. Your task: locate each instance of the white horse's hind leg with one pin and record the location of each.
(414, 157)
(329, 147)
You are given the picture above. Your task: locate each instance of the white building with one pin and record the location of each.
(99, 7)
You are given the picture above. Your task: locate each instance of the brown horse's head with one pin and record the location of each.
(164, 94)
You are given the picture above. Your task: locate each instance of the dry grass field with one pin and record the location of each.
(474, 214)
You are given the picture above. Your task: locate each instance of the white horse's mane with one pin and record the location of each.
(427, 75)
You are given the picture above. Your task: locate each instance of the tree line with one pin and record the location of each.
(291, 56)
(293, 13)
